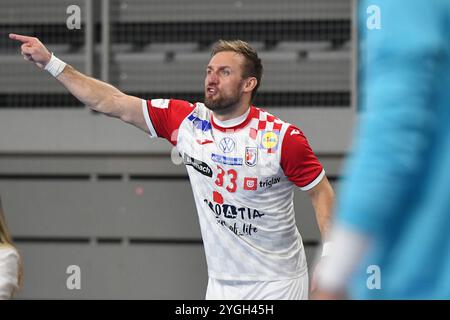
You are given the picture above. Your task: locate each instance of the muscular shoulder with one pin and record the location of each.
(298, 160)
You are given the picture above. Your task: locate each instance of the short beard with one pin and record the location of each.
(222, 106)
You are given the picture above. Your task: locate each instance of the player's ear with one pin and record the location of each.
(250, 84)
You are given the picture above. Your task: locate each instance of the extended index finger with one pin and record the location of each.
(20, 38)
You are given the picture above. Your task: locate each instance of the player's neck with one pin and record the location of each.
(229, 122)
(233, 111)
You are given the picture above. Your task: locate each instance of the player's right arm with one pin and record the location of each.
(99, 96)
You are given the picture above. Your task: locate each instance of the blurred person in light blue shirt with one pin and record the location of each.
(391, 236)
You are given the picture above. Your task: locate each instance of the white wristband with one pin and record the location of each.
(55, 66)
(327, 249)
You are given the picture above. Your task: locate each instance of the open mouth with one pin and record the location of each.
(211, 91)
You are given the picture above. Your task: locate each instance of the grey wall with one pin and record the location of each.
(80, 131)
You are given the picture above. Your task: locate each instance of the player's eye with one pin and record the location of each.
(226, 72)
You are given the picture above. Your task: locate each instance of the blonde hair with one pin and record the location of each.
(6, 240)
(252, 67)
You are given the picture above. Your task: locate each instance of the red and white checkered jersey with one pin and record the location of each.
(243, 178)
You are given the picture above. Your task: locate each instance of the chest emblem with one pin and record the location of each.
(270, 140)
(251, 156)
(227, 144)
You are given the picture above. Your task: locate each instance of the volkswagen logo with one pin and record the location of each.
(227, 145)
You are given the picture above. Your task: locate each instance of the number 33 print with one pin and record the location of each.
(232, 176)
